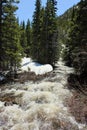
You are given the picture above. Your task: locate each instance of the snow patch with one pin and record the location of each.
(39, 69)
(25, 61)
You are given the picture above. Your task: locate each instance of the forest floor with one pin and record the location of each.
(78, 102)
(78, 107)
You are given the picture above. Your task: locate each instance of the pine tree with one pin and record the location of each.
(10, 35)
(23, 38)
(28, 37)
(1, 25)
(45, 33)
(51, 32)
(68, 29)
(77, 42)
(80, 43)
(42, 38)
(36, 31)
(0, 31)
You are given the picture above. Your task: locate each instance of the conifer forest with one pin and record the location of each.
(43, 67)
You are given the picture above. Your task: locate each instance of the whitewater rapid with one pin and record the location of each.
(39, 105)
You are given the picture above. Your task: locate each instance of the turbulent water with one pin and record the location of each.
(39, 105)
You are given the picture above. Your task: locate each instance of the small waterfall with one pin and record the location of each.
(38, 106)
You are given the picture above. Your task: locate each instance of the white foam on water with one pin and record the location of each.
(39, 106)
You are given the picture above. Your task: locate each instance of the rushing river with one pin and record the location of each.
(39, 105)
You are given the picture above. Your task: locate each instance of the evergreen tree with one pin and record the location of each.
(0, 31)
(51, 32)
(80, 43)
(77, 42)
(42, 37)
(28, 37)
(1, 25)
(45, 33)
(23, 39)
(10, 35)
(36, 31)
(67, 54)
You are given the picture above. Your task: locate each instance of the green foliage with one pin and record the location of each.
(28, 37)
(36, 31)
(64, 22)
(1, 24)
(10, 36)
(45, 33)
(77, 41)
(23, 39)
(41, 57)
(51, 32)
(63, 25)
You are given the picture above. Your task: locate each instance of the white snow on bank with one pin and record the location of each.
(25, 61)
(39, 69)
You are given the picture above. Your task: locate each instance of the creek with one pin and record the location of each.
(38, 105)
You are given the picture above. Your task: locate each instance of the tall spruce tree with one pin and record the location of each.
(10, 35)
(51, 32)
(45, 33)
(0, 32)
(23, 39)
(1, 25)
(28, 38)
(36, 31)
(42, 34)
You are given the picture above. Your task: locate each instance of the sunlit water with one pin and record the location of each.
(39, 105)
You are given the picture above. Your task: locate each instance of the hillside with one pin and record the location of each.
(64, 25)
